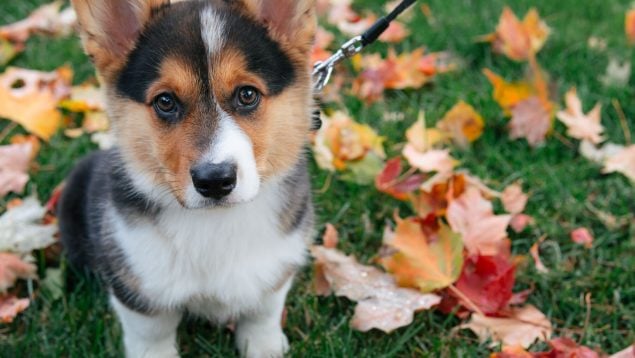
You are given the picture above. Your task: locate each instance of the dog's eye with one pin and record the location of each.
(247, 97)
(166, 106)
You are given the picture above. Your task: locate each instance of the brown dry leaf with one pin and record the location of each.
(522, 327)
(10, 307)
(473, 217)
(530, 120)
(622, 162)
(381, 303)
(14, 167)
(582, 236)
(579, 125)
(12, 267)
(462, 123)
(428, 255)
(30, 98)
(514, 199)
(48, 19)
(518, 40)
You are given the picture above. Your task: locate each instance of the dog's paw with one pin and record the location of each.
(260, 342)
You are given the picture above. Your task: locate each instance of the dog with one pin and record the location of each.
(204, 205)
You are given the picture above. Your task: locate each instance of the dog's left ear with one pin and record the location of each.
(292, 22)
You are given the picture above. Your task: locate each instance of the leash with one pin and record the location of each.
(323, 70)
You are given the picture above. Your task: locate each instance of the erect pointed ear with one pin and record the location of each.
(292, 22)
(110, 28)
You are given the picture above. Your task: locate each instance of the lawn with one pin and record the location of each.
(567, 191)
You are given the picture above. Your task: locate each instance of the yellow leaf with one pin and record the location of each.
(462, 123)
(428, 261)
(518, 40)
(30, 98)
(422, 138)
(508, 94)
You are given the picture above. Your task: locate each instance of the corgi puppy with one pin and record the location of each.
(204, 204)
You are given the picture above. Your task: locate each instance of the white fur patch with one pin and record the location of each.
(212, 30)
(218, 263)
(230, 144)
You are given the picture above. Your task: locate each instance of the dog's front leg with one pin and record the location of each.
(148, 336)
(259, 334)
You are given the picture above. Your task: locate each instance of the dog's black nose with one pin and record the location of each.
(214, 180)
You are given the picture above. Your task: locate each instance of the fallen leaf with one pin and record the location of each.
(579, 125)
(582, 236)
(8, 51)
(12, 267)
(535, 254)
(522, 327)
(434, 160)
(514, 199)
(520, 221)
(628, 352)
(618, 73)
(48, 19)
(623, 162)
(20, 231)
(427, 261)
(472, 216)
(599, 155)
(487, 281)
(85, 98)
(30, 98)
(14, 167)
(435, 199)
(10, 307)
(530, 120)
(395, 32)
(566, 347)
(508, 94)
(323, 39)
(422, 138)
(462, 123)
(518, 40)
(629, 26)
(381, 303)
(389, 181)
(331, 237)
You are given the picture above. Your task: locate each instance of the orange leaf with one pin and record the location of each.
(508, 94)
(462, 123)
(30, 98)
(427, 262)
(629, 26)
(518, 40)
(10, 307)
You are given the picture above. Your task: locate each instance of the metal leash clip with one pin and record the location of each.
(323, 70)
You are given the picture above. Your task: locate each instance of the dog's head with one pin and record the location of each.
(209, 99)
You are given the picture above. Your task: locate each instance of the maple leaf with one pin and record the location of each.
(11, 306)
(48, 19)
(425, 260)
(20, 231)
(581, 126)
(433, 160)
(508, 94)
(521, 327)
(422, 138)
(30, 98)
(518, 40)
(582, 236)
(462, 123)
(599, 155)
(629, 26)
(14, 166)
(381, 303)
(12, 267)
(520, 221)
(472, 216)
(395, 32)
(389, 181)
(487, 281)
(530, 120)
(622, 162)
(628, 352)
(514, 200)
(85, 98)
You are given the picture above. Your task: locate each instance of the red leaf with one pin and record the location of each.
(389, 182)
(487, 281)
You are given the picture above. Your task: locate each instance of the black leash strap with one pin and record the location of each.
(323, 70)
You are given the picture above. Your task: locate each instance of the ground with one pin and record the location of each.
(565, 189)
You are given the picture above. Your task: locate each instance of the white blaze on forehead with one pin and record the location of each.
(212, 30)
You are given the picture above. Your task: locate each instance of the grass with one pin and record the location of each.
(565, 188)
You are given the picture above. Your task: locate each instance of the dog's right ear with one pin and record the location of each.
(110, 28)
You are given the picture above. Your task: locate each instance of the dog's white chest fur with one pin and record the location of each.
(217, 263)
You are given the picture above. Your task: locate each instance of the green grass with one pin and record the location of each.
(564, 189)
